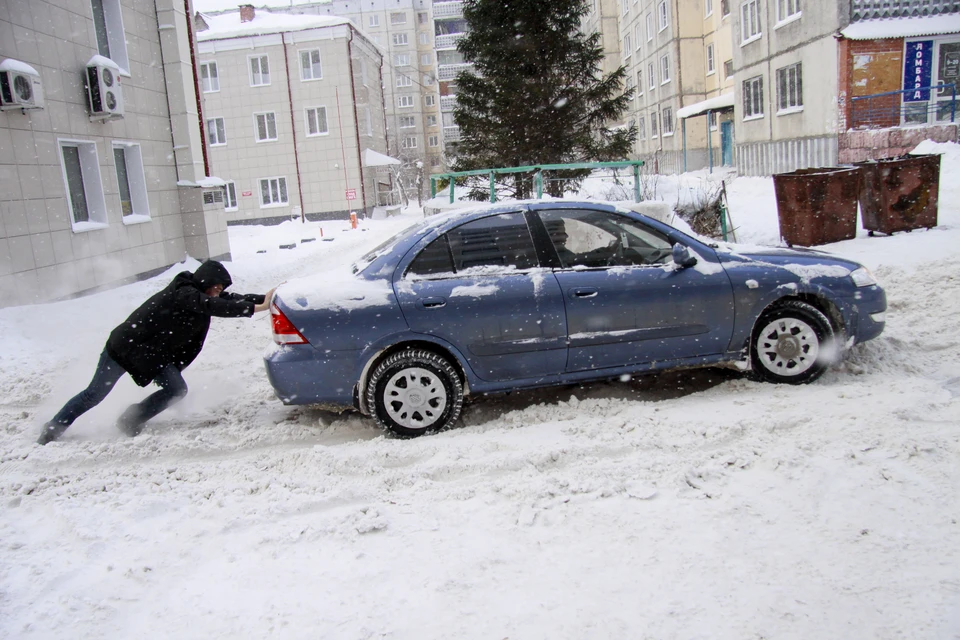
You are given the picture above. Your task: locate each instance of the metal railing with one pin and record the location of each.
(875, 9)
(447, 9)
(883, 110)
(450, 71)
(448, 41)
(447, 103)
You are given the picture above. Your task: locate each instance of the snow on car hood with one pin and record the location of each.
(335, 290)
(806, 264)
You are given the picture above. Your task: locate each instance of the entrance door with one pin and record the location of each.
(726, 143)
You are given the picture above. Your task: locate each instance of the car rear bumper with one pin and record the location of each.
(300, 374)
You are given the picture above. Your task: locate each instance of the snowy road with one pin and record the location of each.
(693, 505)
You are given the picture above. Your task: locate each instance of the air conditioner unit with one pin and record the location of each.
(20, 86)
(103, 89)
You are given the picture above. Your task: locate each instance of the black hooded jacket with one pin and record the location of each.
(170, 327)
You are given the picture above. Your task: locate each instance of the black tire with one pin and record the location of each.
(788, 343)
(414, 392)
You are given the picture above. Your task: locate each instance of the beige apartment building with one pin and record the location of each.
(101, 161)
(294, 114)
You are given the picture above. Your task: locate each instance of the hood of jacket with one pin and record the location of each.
(211, 273)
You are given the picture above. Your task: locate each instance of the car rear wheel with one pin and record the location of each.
(414, 392)
(788, 343)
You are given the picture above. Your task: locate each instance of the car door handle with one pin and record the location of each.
(584, 292)
(432, 303)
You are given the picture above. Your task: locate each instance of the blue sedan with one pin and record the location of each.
(533, 294)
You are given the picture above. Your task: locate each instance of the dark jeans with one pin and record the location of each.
(172, 389)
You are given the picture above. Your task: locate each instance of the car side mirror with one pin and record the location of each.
(682, 256)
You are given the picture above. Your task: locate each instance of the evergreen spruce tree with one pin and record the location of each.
(537, 95)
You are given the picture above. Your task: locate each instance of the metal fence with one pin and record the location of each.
(874, 9)
(936, 104)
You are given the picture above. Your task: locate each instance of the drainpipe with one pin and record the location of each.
(196, 84)
(356, 120)
(293, 127)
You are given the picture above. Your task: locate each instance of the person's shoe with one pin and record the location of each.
(51, 431)
(128, 421)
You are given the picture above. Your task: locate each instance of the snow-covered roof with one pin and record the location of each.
(228, 25)
(902, 27)
(20, 67)
(373, 158)
(102, 61)
(723, 101)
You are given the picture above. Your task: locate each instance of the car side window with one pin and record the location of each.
(588, 238)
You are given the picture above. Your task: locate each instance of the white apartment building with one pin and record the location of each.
(100, 147)
(293, 114)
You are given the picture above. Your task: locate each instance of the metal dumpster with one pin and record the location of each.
(818, 205)
(899, 194)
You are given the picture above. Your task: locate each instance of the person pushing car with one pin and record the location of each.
(158, 341)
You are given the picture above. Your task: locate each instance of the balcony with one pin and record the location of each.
(448, 41)
(450, 71)
(447, 9)
(447, 103)
(451, 134)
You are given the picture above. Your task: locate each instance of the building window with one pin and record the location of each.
(404, 101)
(216, 132)
(398, 17)
(230, 191)
(408, 142)
(627, 46)
(653, 124)
(711, 61)
(665, 69)
(111, 39)
(434, 161)
(404, 81)
(209, 77)
(266, 129)
(407, 121)
(400, 39)
(373, 20)
(639, 82)
(259, 71)
(787, 9)
(790, 88)
(433, 141)
(431, 121)
(81, 175)
(707, 7)
(427, 80)
(724, 8)
(624, 7)
(662, 14)
(424, 37)
(712, 119)
(753, 97)
(130, 179)
(316, 121)
(310, 65)
(402, 59)
(728, 69)
(425, 60)
(651, 76)
(430, 99)
(667, 116)
(422, 17)
(649, 27)
(749, 21)
(273, 192)
(642, 128)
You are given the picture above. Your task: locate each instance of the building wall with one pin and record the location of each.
(43, 254)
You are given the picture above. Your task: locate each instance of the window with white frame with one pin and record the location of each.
(624, 6)
(662, 14)
(402, 60)
(429, 100)
(407, 121)
(724, 8)
(787, 9)
(422, 17)
(266, 126)
(230, 200)
(434, 161)
(642, 128)
(431, 121)
(433, 141)
(373, 20)
(712, 120)
(753, 97)
(627, 45)
(131, 182)
(209, 77)
(398, 17)
(273, 192)
(404, 101)
(665, 68)
(651, 76)
(427, 79)
(259, 71)
(649, 27)
(653, 125)
(425, 60)
(667, 116)
(216, 132)
(316, 121)
(310, 68)
(707, 7)
(749, 21)
(400, 39)
(638, 35)
(628, 85)
(424, 37)
(790, 88)
(111, 39)
(711, 60)
(639, 82)
(404, 81)
(409, 142)
(728, 69)
(81, 176)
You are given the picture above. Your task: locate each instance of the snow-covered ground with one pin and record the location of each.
(687, 505)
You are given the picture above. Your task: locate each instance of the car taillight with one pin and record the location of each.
(283, 330)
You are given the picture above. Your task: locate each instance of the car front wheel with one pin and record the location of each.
(414, 392)
(789, 343)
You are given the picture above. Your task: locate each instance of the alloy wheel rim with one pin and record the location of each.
(788, 347)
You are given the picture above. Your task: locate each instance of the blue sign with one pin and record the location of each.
(917, 71)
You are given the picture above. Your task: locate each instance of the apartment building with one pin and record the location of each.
(102, 177)
(294, 114)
